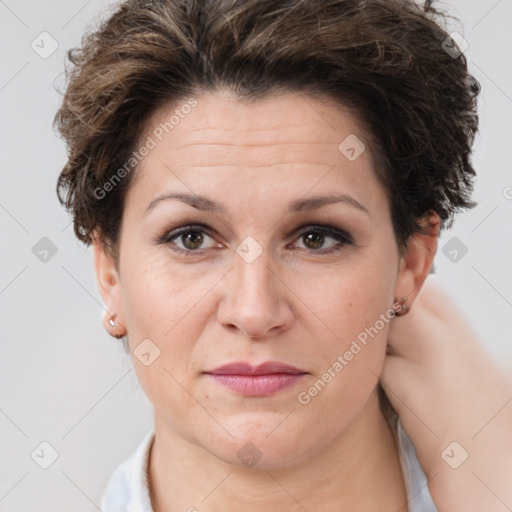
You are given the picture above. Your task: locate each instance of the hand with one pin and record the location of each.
(445, 389)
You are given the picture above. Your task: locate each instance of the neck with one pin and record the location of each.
(360, 470)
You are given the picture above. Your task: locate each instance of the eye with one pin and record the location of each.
(314, 237)
(191, 239)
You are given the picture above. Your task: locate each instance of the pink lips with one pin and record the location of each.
(265, 379)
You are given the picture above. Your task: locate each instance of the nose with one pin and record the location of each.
(256, 300)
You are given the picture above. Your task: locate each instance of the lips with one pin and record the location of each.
(267, 368)
(266, 379)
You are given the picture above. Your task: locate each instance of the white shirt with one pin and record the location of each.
(127, 489)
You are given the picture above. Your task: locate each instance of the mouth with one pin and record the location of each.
(263, 380)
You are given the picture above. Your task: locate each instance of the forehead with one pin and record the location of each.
(218, 118)
(289, 141)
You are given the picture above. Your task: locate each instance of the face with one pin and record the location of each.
(257, 271)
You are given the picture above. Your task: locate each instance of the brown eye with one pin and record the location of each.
(314, 237)
(192, 239)
(313, 240)
(187, 239)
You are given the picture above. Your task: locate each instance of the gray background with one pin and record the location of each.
(64, 380)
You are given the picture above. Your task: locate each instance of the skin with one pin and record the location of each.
(454, 392)
(301, 306)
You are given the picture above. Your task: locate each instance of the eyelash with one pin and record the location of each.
(343, 237)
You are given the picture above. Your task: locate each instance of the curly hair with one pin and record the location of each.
(384, 60)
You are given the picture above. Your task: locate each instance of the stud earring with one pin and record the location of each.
(113, 325)
(403, 306)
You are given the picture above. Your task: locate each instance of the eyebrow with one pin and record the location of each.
(311, 203)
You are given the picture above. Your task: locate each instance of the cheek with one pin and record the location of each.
(154, 298)
(357, 311)
(153, 310)
(339, 391)
(352, 303)
(166, 309)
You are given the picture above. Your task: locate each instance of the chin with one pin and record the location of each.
(264, 446)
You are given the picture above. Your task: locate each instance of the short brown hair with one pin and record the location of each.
(383, 59)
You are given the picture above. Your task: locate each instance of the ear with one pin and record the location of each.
(109, 286)
(416, 264)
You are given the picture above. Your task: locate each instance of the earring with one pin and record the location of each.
(403, 306)
(112, 324)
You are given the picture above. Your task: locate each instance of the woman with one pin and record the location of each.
(263, 184)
